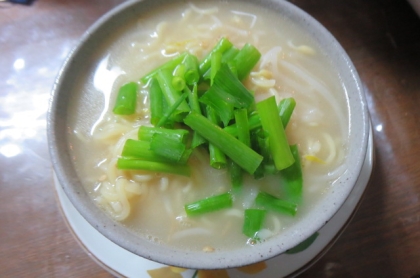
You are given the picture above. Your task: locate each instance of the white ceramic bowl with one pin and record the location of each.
(58, 129)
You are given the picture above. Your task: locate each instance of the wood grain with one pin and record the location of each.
(381, 37)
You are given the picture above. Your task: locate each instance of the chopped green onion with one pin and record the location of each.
(233, 69)
(216, 60)
(169, 148)
(236, 175)
(259, 173)
(160, 167)
(222, 46)
(217, 157)
(225, 93)
(253, 123)
(207, 75)
(246, 59)
(270, 169)
(197, 139)
(241, 119)
(244, 156)
(286, 107)
(180, 69)
(157, 102)
(146, 133)
(126, 101)
(272, 124)
(178, 80)
(171, 111)
(272, 203)
(253, 221)
(192, 75)
(137, 149)
(164, 77)
(223, 108)
(227, 87)
(227, 58)
(193, 99)
(292, 178)
(263, 143)
(209, 204)
(170, 66)
(178, 83)
(229, 55)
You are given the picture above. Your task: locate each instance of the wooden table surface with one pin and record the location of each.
(381, 37)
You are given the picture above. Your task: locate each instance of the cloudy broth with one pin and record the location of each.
(152, 204)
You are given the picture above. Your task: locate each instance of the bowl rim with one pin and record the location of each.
(62, 164)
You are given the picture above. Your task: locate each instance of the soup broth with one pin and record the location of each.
(152, 204)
